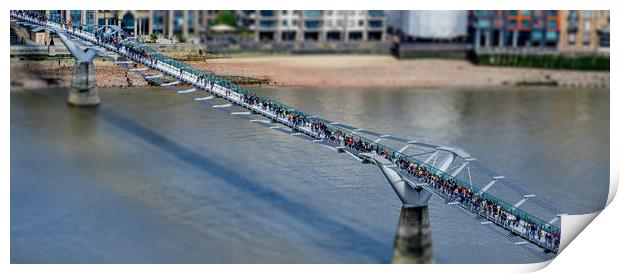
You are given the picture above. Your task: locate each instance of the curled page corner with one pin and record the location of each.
(528, 268)
(613, 188)
(572, 225)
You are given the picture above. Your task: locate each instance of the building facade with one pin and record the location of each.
(515, 28)
(584, 30)
(167, 24)
(314, 25)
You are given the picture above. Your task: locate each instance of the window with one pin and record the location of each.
(284, 23)
(587, 13)
(90, 17)
(586, 39)
(571, 39)
(483, 23)
(586, 25)
(499, 23)
(329, 13)
(537, 35)
(339, 23)
(601, 13)
(55, 15)
(351, 23)
(284, 12)
(295, 12)
(552, 24)
(525, 13)
(294, 23)
(525, 23)
(376, 13)
(158, 21)
(267, 13)
(313, 13)
(512, 23)
(178, 21)
(312, 24)
(76, 17)
(538, 24)
(552, 36)
(351, 13)
(330, 23)
(191, 20)
(572, 25)
(360, 23)
(553, 12)
(482, 13)
(375, 23)
(267, 24)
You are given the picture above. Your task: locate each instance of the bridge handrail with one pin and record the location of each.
(549, 228)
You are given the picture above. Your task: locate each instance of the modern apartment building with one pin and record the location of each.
(515, 28)
(585, 30)
(314, 25)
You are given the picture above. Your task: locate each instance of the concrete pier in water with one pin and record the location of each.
(413, 243)
(83, 91)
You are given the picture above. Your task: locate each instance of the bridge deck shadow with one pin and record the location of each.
(351, 239)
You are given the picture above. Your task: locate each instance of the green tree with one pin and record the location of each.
(181, 38)
(154, 37)
(226, 17)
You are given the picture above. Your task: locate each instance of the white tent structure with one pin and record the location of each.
(430, 24)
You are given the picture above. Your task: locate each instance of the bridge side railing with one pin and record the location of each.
(394, 154)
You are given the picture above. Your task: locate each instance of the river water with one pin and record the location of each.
(155, 177)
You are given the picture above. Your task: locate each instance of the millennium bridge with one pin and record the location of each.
(416, 170)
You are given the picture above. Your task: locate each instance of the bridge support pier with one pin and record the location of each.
(83, 91)
(413, 243)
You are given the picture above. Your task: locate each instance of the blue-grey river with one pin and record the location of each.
(155, 177)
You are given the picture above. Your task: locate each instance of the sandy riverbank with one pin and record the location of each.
(356, 71)
(386, 71)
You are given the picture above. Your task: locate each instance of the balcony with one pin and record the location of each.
(267, 24)
(482, 13)
(376, 13)
(312, 14)
(312, 24)
(375, 24)
(267, 13)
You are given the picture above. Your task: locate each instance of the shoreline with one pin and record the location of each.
(323, 71)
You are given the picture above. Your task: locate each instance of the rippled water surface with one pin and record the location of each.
(154, 177)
